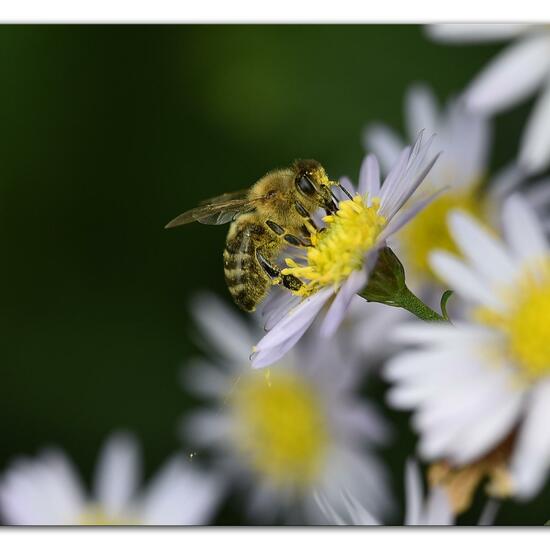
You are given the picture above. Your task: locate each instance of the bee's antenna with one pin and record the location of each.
(345, 191)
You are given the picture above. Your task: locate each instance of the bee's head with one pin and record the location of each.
(313, 184)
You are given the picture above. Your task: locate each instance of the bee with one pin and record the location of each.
(265, 218)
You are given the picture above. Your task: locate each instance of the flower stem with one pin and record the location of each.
(409, 301)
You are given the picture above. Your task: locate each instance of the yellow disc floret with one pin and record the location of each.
(280, 426)
(526, 322)
(429, 231)
(340, 248)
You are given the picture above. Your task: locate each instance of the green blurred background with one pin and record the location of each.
(106, 133)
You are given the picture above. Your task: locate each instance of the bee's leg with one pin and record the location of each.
(288, 281)
(290, 239)
(301, 209)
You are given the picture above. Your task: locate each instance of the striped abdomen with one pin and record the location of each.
(246, 280)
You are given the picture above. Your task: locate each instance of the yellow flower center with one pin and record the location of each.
(95, 515)
(281, 427)
(526, 323)
(429, 231)
(340, 248)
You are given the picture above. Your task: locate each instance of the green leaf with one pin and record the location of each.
(444, 299)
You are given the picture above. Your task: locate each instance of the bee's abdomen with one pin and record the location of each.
(246, 280)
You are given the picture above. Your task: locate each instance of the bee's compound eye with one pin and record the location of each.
(304, 184)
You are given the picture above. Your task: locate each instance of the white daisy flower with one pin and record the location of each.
(433, 510)
(481, 389)
(284, 433)
(514, 75)
(344, 252)
(47, 491)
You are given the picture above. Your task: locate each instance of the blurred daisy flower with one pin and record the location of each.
(344, 252)
(433, 510)
(286, 433)
(481, 389)
(515, 74)
(47, 491)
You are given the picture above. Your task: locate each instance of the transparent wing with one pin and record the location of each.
(215, 213)
(232, 195)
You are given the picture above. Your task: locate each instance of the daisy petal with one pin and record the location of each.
(522, 229)
(462, 279)
(534, 152)
(180, 495)
(369, 178)
(490, 427)
(486, 253)
(335, 315)
(413, 494)
(514, 75)
(224, 330)
(532, 456)
(438, 510)
(402, 218)
(474, 32)
(421, 110)
(296, 322)
(385, 144)
(264, 358)
(117, 473)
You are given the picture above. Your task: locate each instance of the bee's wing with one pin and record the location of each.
(215, 212)
(232, 195)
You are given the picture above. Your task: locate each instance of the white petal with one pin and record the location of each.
(340, 305)
(269, 356)
(474, 32)
(523, 230)
(278, 306)
(407, 175)
(289, 330)
(222, 328)
(489, 512)
(205, 427)
(462, 279)
(328, 511)
(369, 178)
(359, 475)
(531, 459)
(465, 138)
(512, 76)
(487, 255)
(491, 426)
(460, 334)
(471, 416)
(199, 376)
(421, 110)
(181, 495)
(44, 491)
(117, 473)
(413, 493)
(503, 183)
(402, 218)
(438, 509)
(534, 152)
(66, 491)
(385, 144)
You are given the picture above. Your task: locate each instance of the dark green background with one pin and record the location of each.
(106, 133)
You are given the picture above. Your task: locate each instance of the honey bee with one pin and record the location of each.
(265, 218)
